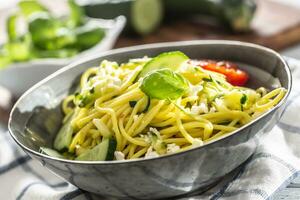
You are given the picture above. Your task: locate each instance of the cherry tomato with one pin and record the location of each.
(235, 76)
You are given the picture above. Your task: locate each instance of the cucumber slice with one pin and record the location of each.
(146, 15)
(64, 136)
(172, 60)
(50, 152)
(103, 151)
(143, 16)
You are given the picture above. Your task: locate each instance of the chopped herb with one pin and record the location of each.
(92, 90)
(243, 99)
(81, 100)
(188, 105)
(217, 96)
(196, 69)
(208, 79)
(132, 103)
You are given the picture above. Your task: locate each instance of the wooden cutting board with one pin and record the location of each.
(275, 25)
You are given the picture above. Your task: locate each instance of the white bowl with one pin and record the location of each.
(18, 77)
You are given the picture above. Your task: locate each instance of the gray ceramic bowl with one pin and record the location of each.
(36, 117)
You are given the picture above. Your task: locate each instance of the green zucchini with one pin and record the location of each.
(236, 13)
(103, 151)
(143, 16)
(171, 60)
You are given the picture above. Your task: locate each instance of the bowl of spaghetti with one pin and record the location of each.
(153, 121)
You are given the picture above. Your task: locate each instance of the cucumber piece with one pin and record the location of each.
(143, 16)
(64, 136)
(237, 14)
(172, 60)
(50, 152)
(103, 151)
(146, 15)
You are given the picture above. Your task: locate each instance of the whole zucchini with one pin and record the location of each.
(237, 14)
(143, 16)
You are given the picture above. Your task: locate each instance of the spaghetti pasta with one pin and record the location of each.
(111, 104)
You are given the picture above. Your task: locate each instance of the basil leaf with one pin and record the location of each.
(164, 84)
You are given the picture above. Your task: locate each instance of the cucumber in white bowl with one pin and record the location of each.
(18, 77)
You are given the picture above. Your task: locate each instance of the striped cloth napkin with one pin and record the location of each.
(275, 163)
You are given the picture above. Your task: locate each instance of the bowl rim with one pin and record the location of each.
(141, 47)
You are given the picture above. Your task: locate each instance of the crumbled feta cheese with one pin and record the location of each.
(212, 109)
(111, 86)
(102, 72)
(202, 108)
(186, 67)
(146, 138)
(195, 89)
(195, 110)
(151, 154)
(155, 131)
(172, 148)
(116, 81)
(138, 60)
(218, 101)
(119, 155)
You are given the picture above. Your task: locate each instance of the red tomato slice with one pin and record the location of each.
(235, 76)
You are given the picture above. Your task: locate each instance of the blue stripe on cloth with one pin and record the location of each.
(258, 192)
(22, 193)
(26, 167)
(72, 195)
(284, 184)
(262, 192)
(14, 164)
(218, 194)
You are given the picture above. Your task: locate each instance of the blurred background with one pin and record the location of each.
(38, 37)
